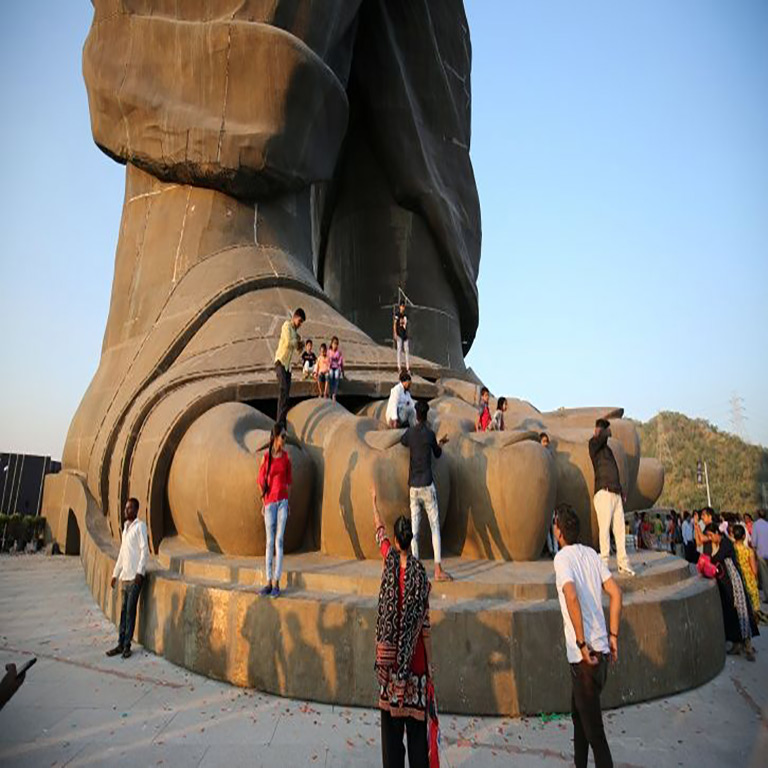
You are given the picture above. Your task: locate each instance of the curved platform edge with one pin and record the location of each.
(504, 660)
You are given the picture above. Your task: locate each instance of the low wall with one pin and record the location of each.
(493, 657)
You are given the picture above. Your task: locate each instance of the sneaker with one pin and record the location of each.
(626, 570)
(127, 653)
(276, 591)
(266, 590)
(116, 651)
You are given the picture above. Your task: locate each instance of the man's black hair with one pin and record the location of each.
(603, 423)
(404, 376)
(568, 523)
(403, 532)
(739, 532)
(134, 502)
(711, 528)
(422, 409)
(501, 402)
(300, 313)
(308, 341)
(542, 435)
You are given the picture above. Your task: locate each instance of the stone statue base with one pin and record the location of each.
(497, 631)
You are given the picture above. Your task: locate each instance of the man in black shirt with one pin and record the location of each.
(421, 441)
(609, 505)
(400, 333)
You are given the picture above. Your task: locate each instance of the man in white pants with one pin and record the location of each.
(423, 444)
(608, 502)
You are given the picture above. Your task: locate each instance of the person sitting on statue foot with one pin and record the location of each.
(290, 342)
(400, 333)
(400, 408)
(609, 505)
(336, 363)
(422, 444)
(580, 578)
(484, 411)
(275, 478)
(130, 568)
(403, 647)
(323, 371)
(497, 422)
(308, 360)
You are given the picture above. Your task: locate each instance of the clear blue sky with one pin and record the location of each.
(621, 154)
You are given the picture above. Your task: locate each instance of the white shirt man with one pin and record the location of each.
(688, 537)
(134, 551)
(130, 568)
(401, 411)
(581, 577)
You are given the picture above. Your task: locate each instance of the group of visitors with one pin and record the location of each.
(327, 368)
(725, 549)
(657, 533)
(487, 422)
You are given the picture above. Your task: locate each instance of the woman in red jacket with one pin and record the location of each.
(275, 484)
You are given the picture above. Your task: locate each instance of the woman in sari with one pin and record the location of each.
(403, 647)
(745, 557)
(740, 624)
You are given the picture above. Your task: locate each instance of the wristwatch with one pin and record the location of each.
(582, 644)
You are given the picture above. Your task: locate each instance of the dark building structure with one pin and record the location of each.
(21, 482)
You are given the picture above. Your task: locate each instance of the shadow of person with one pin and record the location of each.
(471, 512)
(281, 657)
(347, 509)
(195, 632)
(210, 540)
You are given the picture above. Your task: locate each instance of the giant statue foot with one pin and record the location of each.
(277, 159)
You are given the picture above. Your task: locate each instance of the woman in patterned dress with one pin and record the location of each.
(739, 621)
(403, 647)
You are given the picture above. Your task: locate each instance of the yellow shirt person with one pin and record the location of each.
(289, 341)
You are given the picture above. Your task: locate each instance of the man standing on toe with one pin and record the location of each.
(608, 502)
(130, 568)
(581, 577)
(290, 342)
(422, 444)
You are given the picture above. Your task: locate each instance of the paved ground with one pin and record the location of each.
(78, 708)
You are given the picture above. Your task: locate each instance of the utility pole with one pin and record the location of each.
(703, 476)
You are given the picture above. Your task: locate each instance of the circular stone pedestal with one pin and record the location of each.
(497, 630)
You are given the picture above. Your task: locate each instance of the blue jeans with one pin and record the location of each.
(128, 613)
(275, 517)
(335, 374)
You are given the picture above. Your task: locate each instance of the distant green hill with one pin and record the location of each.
(737, 470)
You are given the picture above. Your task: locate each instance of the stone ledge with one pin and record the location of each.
(502, 657)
